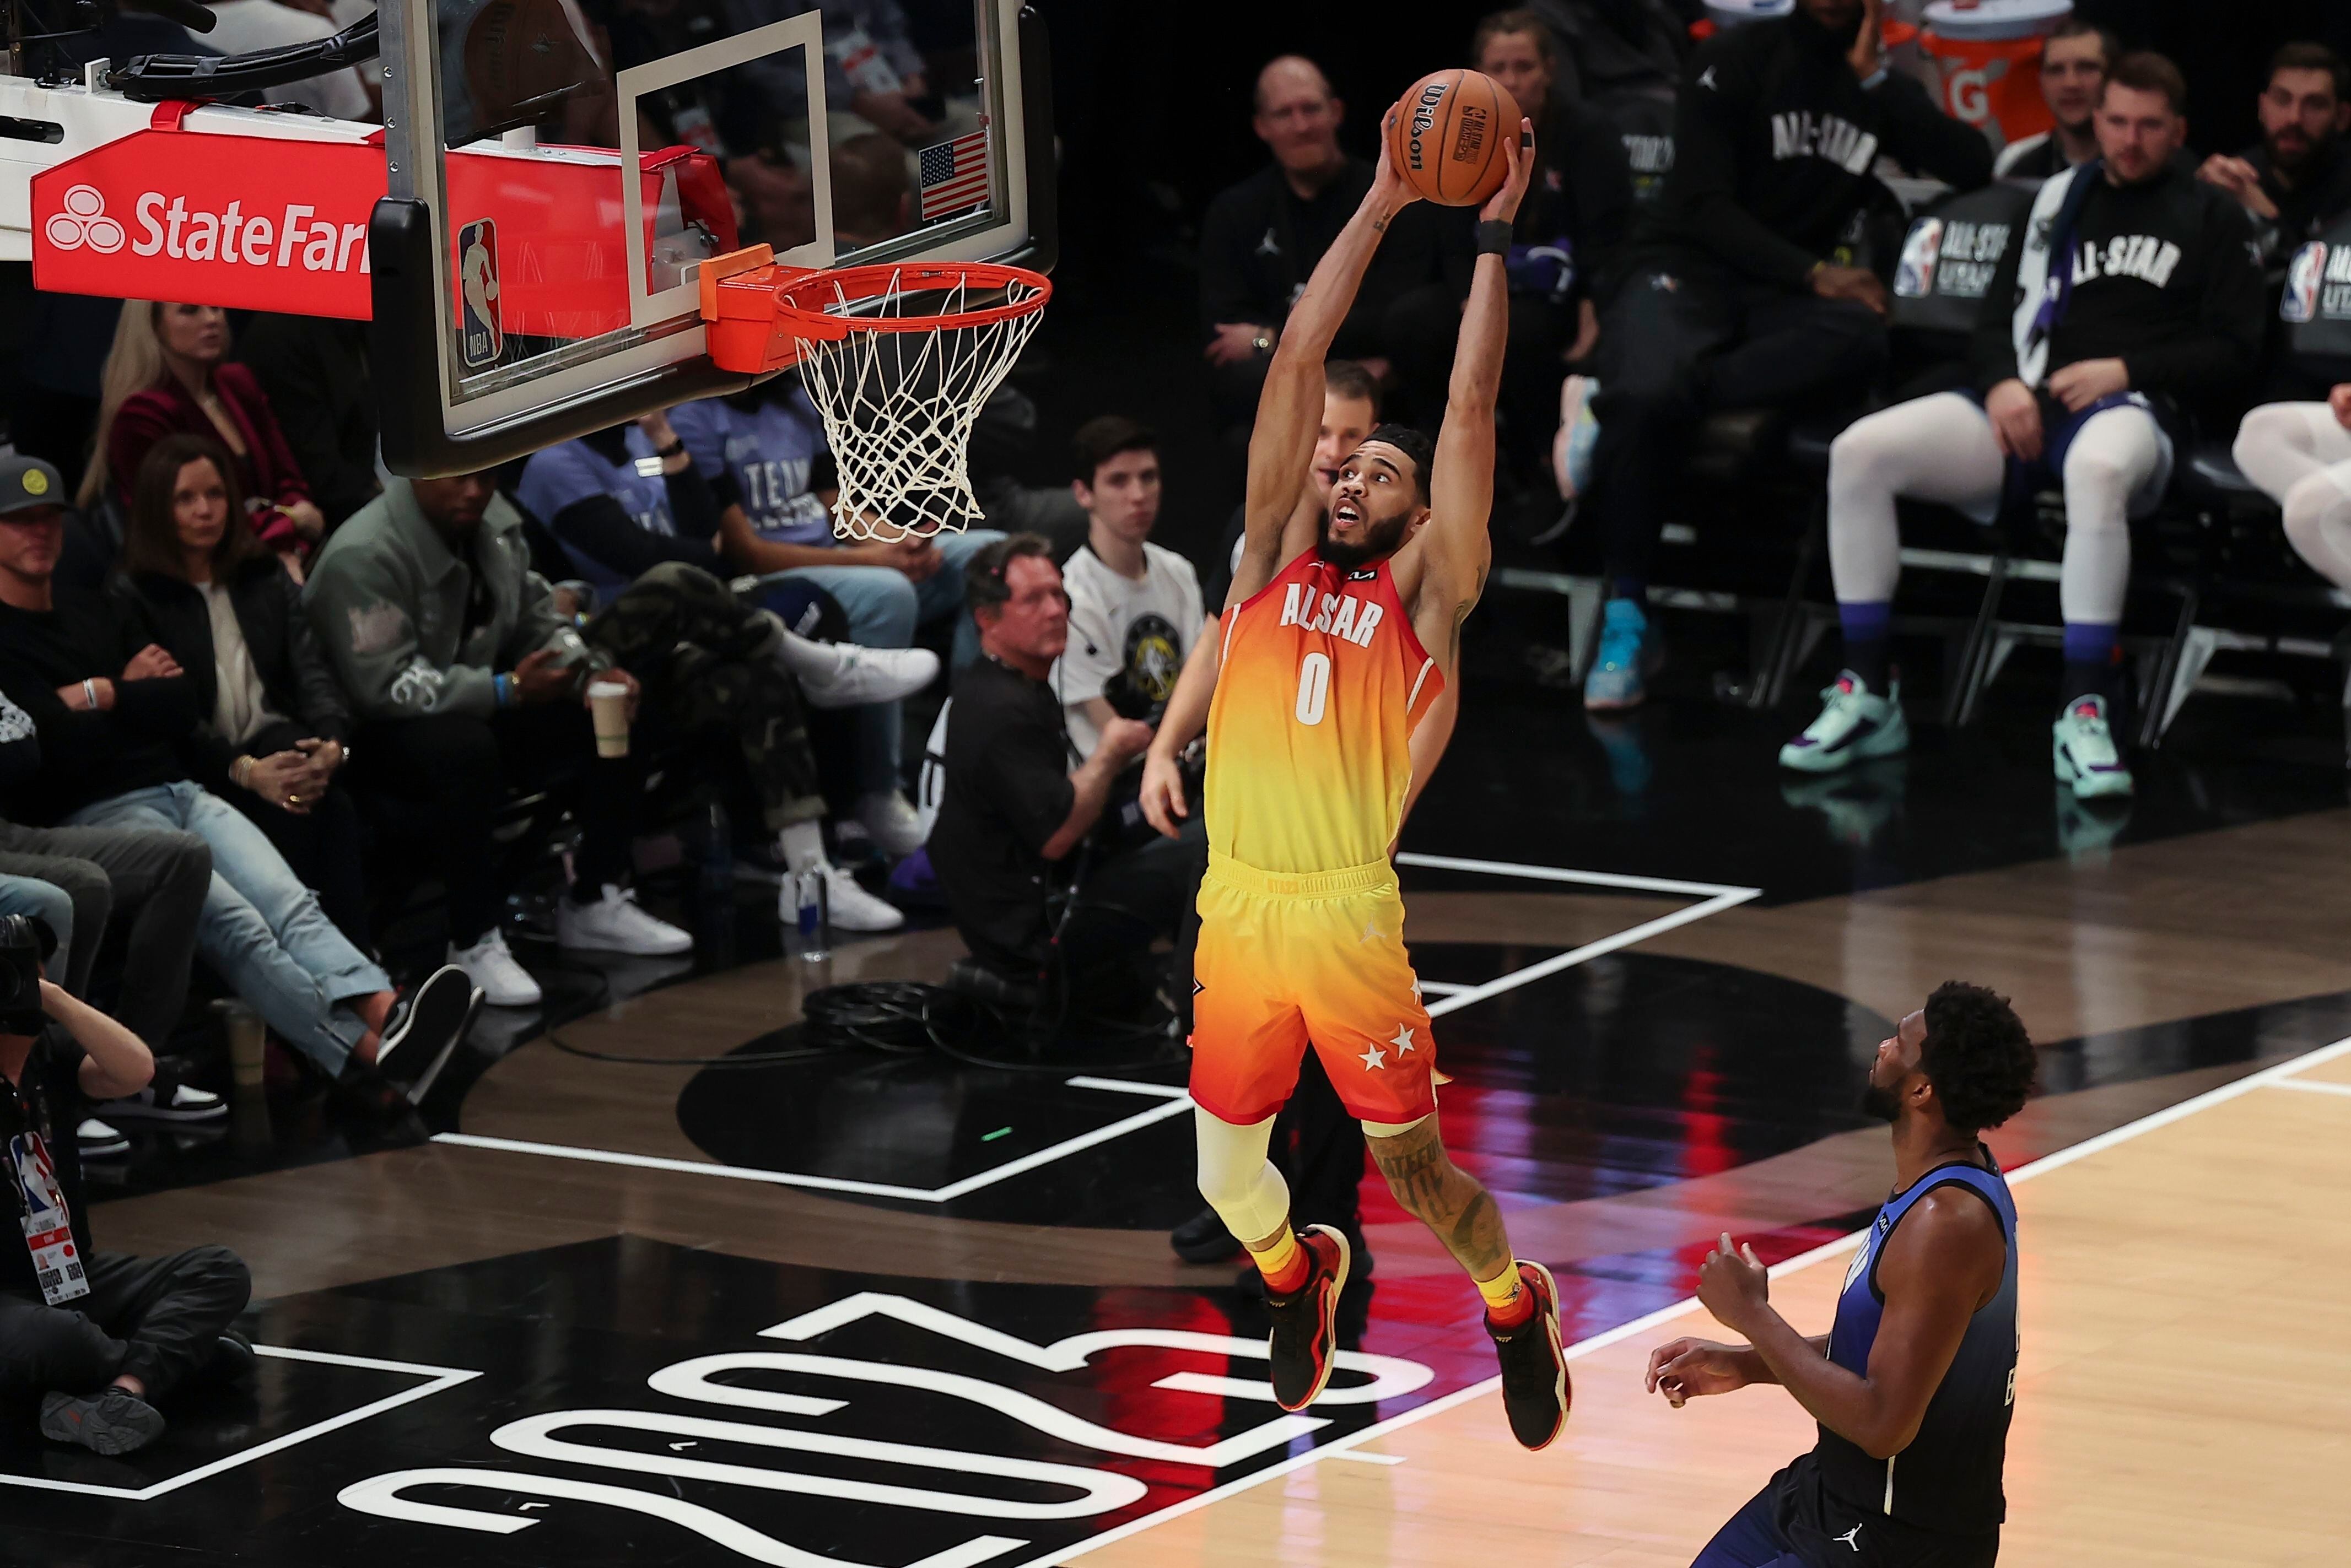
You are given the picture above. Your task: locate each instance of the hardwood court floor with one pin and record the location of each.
(2183, 1398)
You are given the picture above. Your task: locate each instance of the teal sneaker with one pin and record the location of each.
(1855, 725)
(1628, 654)
(2083, 743)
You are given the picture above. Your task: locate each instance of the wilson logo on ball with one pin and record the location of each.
(1423, 121)
(84, 222)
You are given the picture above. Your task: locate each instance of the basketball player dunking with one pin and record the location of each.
(1914, 1385)
(1342, 626)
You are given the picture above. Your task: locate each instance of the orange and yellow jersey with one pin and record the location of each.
(1310, 735)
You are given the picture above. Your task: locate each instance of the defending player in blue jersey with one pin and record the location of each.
(1914, 1386)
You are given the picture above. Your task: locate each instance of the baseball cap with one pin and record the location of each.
(26, 482)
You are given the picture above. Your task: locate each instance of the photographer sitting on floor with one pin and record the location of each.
(101, 1336)
(1018, 817)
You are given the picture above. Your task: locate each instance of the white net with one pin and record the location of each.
(898, 404)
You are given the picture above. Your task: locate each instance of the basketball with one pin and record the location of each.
(1446, 137)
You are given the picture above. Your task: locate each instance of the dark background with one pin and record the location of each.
(1152, 105)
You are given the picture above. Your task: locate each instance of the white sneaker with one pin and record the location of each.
(848, 676)
(2083, 744)
(98, 1141)
(851, 906)
(491, 967)
(1855, 724)
(892, 822)
(614, 924)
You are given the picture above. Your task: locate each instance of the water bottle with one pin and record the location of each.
(814, 900)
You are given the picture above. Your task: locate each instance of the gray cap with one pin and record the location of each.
(26, 482)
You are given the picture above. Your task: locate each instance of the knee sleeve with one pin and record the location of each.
(1240, 1183)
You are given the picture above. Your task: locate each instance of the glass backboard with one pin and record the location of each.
(560, 170)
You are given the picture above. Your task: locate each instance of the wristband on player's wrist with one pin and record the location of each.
(1494, 237)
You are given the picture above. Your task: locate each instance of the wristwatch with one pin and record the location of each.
(672, 450)
(1262, 342)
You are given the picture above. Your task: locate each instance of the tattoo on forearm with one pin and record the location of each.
(1448, 1199)
(1379, 225)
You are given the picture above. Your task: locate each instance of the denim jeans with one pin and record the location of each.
(47, 902)
(261, 928)
(885, 606)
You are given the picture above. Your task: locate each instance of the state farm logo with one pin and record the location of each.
(84, 222)
(294, 237)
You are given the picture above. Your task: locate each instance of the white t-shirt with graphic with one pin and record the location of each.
(1116, 623)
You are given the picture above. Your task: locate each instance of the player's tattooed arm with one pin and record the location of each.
(1445, 1198)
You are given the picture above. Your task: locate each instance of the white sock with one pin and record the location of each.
(2116, 458)
(803, 846)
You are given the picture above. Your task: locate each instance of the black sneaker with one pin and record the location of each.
(1203, 1239)
(424, 1029)
(110, 1421)
(233, 1364)
(1535, 1389)
(1305, 1339)
(166, 1101)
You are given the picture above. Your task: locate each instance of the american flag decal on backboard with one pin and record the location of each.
(955, 174)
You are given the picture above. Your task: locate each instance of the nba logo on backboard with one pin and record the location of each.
(2301, 279)
(1914, 278)
(481, 341)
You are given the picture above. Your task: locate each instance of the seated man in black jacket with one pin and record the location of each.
(1261, 239)
(1018, 817)
(1738, 294)
(101, 1337)
(2128, 299)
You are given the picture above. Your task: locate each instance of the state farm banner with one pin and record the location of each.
(245, 222)
(271, 224)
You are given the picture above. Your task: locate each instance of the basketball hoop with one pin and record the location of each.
(898, 360)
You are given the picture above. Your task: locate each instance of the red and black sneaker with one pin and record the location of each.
(1305, 1337)
(1535, 1390)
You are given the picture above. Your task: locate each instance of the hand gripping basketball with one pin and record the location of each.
(1519, 153)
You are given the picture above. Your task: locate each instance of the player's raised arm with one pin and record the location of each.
(1455, 548)
(1290, 410)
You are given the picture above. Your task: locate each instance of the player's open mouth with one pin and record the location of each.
(1345, 514)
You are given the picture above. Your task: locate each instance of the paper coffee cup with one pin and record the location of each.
(608, 704)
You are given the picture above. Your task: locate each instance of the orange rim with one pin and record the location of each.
(810, 303)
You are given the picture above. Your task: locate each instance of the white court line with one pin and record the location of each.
(2312, 1086)
(2276, 1077)
(440, 1378)
(1716, 898)
(1175, 1103)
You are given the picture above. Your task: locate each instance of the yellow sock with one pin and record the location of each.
(1283, 1263)
(1506, 1294)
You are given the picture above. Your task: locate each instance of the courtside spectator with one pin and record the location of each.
(1565, 241)
(765, 450)
(619, 521)
(75, 878)
(1350, 408)
(102, 1339)
(2128, 301)
(1134, 606)
(1261, 238)
(466, 682)
(315, 371)
(169, 374)
(1740, 294)
(622, 501)
(1017, 816)
(2296, 179)
(2075, 59)
(2300, 453)
(2294, 184)
(274, 724)
(111, 710)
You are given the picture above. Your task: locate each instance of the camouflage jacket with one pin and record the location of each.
(387, 598)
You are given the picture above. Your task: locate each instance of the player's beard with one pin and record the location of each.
(1877, 1100)
(1379, 541)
